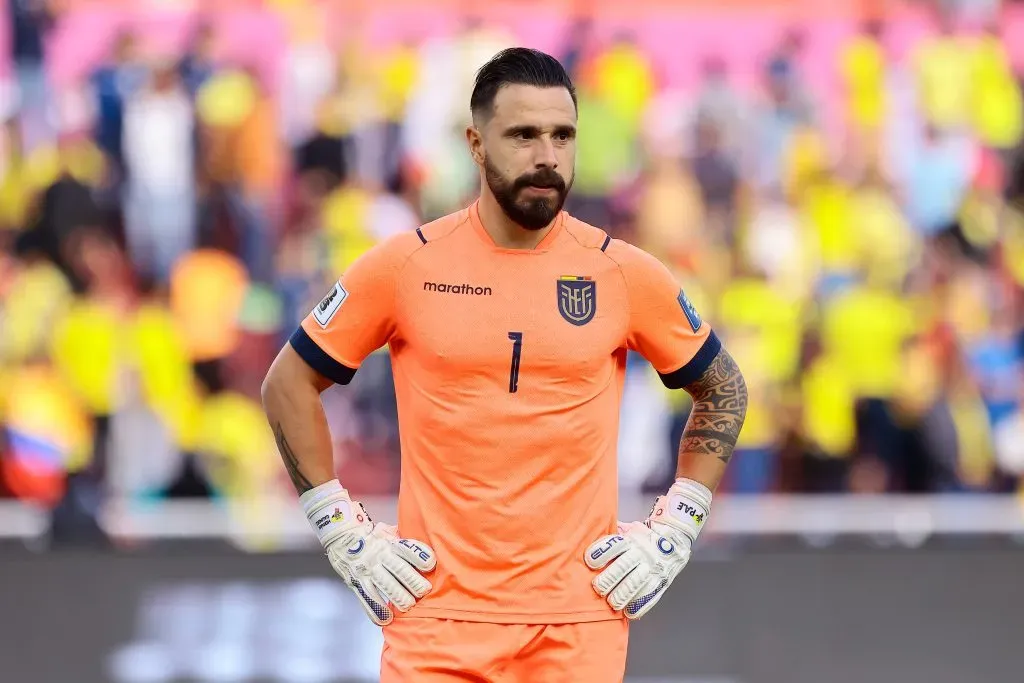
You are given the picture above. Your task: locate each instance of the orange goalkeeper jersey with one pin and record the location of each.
(508, 369)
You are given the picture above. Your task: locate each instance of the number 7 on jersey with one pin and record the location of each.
(517, 350)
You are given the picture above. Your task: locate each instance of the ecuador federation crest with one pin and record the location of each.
(577, 298)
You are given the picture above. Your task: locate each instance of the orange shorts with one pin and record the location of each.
(418, 650)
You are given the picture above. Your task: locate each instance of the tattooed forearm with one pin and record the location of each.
(719, 407)
(291, 463)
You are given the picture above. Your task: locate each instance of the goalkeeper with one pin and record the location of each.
(508, 325)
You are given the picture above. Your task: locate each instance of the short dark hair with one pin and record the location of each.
(517, 66)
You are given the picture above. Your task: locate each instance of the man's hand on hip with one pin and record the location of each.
(640, 562)
(382, 569)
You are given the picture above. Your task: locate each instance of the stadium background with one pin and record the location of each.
(838, 187)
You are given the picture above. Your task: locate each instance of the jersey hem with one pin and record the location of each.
(513, 617)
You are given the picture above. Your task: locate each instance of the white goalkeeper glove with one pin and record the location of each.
(380, 568)
(640, 562)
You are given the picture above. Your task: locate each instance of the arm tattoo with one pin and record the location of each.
(719, 406)
(291, 463)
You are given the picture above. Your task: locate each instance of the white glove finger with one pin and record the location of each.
(648, 597)
(373, 602)
(406, 574)
(629, 587)
(604, 550)
(392, 589)
(610, 577)
(416, 553)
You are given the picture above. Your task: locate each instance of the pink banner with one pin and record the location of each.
(676, 39)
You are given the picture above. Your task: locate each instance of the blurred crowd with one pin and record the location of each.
(167, 219)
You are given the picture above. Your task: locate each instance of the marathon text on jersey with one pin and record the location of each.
(446, 288)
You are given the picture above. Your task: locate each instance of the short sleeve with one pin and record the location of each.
(356, 317)
(664, 326)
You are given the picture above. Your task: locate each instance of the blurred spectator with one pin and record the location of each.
(864, 67)
(716, 172)
(114, 83)
(438, 111)
(253, 198)
(198, 63)
(826, 423)
(763, 330)
(578, 40)
(939, 174)
(208, 325)
(996, 110)
(399, 74)
(864, 71)
(773, 242)
(604, 162)
(309, 73)
(670, 214)
(243, 162)
(65, 205)
(884, 243)
(719, 110)
(864, 328)
(785, 78)
(160, 205)
(944, 74)
(623, 79)
(784, 110)
(31, 21)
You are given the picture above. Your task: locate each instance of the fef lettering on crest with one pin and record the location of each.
(577, 299)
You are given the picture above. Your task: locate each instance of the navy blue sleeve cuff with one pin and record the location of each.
(692, 371)
(318, 359)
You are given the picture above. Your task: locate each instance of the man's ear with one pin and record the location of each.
(475, 139)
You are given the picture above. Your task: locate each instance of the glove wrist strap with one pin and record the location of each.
(685, 507)
(329, 510)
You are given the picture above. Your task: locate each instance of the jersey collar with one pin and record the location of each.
(544, 245)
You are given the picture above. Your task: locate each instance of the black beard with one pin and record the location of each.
(532, 214)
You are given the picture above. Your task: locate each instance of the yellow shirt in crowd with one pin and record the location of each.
(33, 305)
(863, 331)
(753, 304)
(233, 431)
(863, 67)
(624, 79)
(882, 240)
(945, 70)
(826, 210)
(346, 226)
(87, 347)
(160, 354)
(761, 426)
(208, 323)
(398, 77)
(828, 402)
(996, 108)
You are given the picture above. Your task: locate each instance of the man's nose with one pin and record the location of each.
(544, 153)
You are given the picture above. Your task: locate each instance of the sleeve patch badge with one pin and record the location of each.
(688, 308)
(329, 305)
